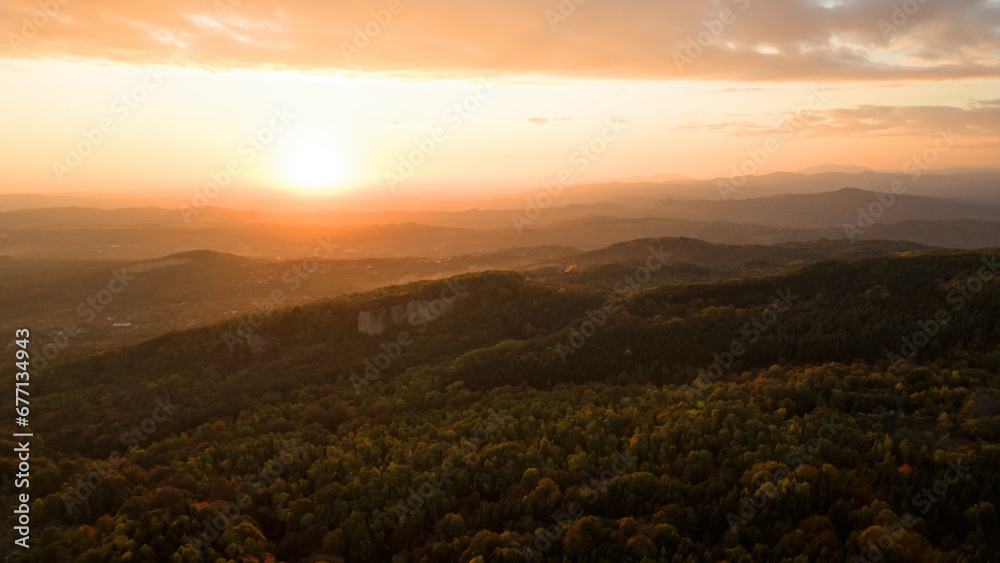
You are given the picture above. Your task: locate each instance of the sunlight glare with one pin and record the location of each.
(316, 162)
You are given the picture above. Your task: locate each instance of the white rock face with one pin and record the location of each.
(417, 312)
(398, 314)
(372, 322)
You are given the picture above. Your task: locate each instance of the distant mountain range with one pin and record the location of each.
(143, 233)
(811, 210)
(823, 168)
(831, 209)
(982, 184)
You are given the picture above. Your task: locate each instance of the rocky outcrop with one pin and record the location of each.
(416, 313)
(372, 322)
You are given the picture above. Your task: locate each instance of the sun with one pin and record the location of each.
(316, 162)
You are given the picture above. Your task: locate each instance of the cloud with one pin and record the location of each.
(544, 120)
(750, 89)
(780, 40)
(980, 119)
(906, 120)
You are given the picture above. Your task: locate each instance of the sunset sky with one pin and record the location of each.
(678, 87)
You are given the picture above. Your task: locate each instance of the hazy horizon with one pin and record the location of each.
(669, 186)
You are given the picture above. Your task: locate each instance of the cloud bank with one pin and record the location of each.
(641, 39)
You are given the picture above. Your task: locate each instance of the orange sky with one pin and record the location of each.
(396, 97)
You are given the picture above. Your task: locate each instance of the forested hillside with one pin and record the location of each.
(593, 411)
(200, 288)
